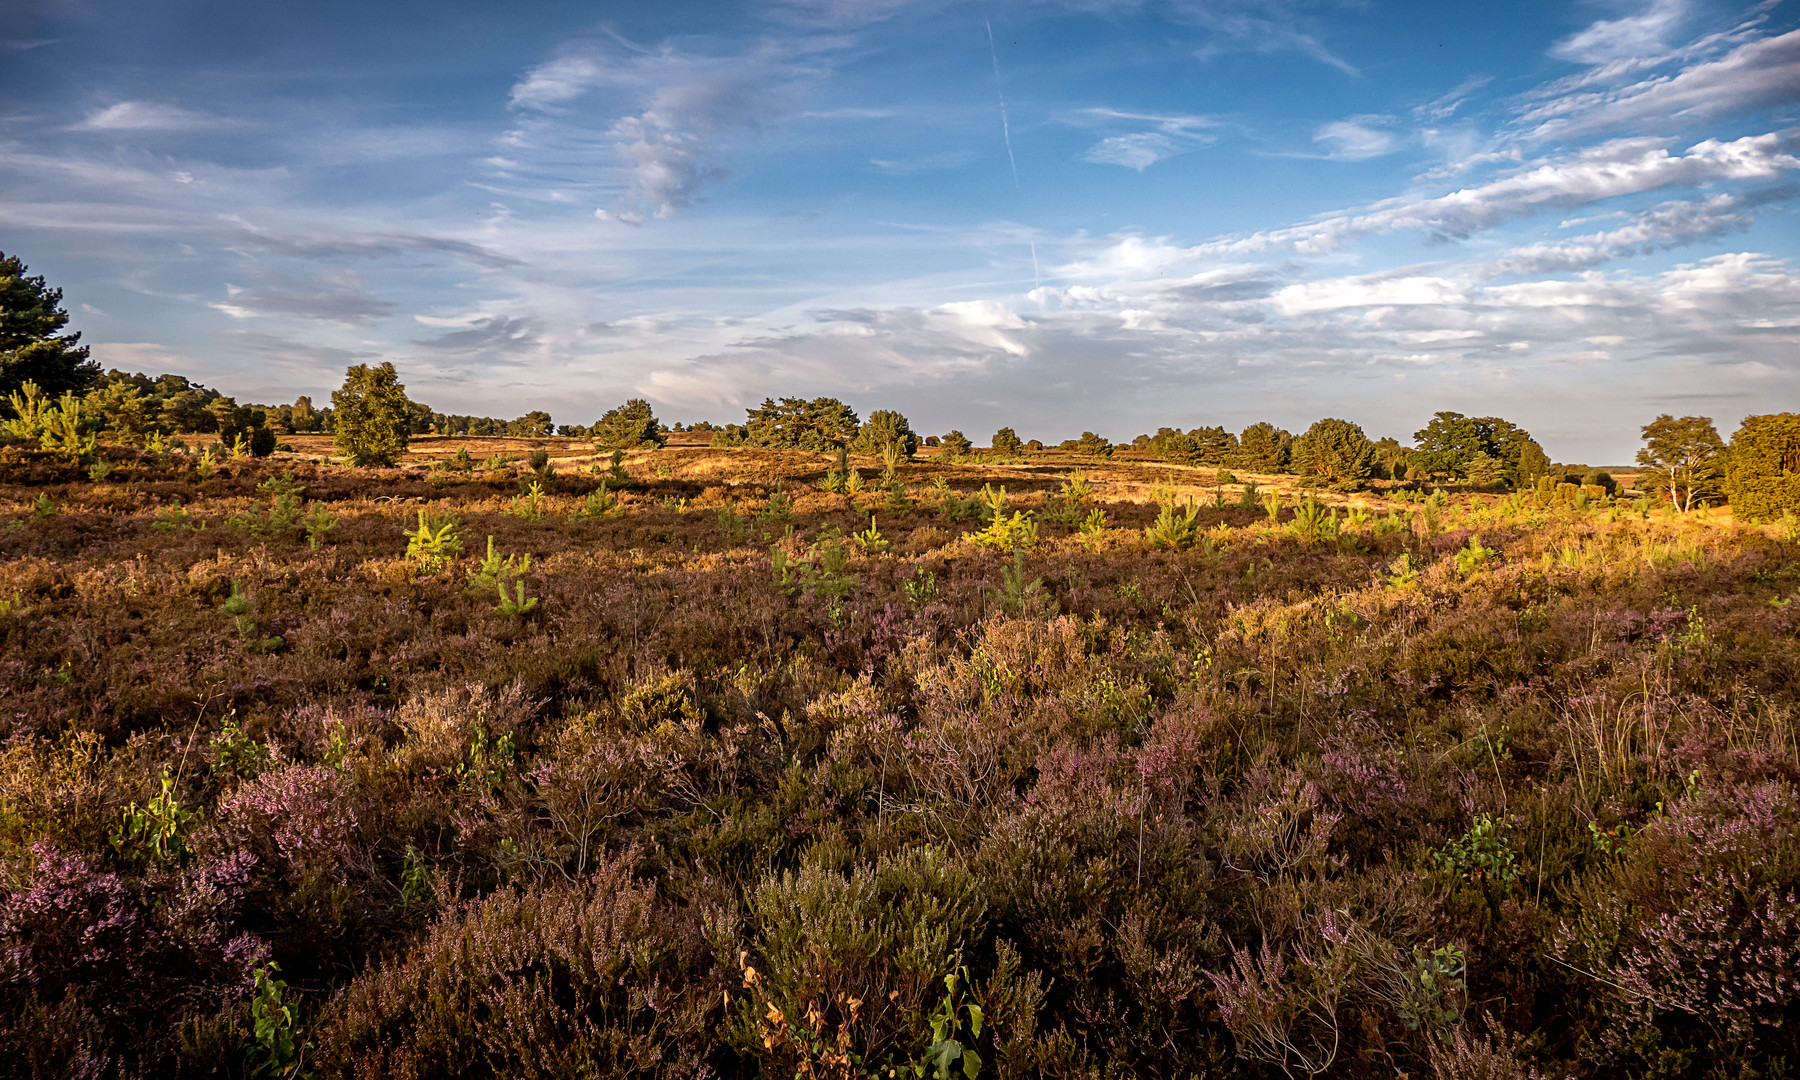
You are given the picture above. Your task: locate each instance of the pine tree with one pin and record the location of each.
(1337, 452)
(627, 427)
(1264, 448)
(370, 416)
(885, 428)
(955, 445)
(820, 424)
(32, 347)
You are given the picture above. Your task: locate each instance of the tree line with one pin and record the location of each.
(45, 372)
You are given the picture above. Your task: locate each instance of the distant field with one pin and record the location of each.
(700, 769)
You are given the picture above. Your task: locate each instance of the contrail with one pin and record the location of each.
(999, 92)
(1006, 134)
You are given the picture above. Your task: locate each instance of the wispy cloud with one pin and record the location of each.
(373, 245)
(1263, 27)
(1752, 75)
(334, 296)
(1643, 33)
(912, 166)
(1670, 225)
(835, 13)
(686, 106)
(1170, 134)
(1618, 168)
(146, 116)
(1357, 139)
(490, 336)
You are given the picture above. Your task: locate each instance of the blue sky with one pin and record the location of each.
(1088, 214)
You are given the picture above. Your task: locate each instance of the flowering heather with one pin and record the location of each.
(734, 801)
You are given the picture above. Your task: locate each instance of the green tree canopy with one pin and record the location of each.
(820, 424)
(1762, 467)
(1264, 448)
(1172, 444)
(627, 427)
(1533, 463)
(536, 424)
(1335, 451)
(955, 445)
(1391, 457)
(1687, 457)
(1451, 441)
(370, 415)
(1213, 445)
(1007, 443)
(1090, 445)
(32, 345)
(885, 428)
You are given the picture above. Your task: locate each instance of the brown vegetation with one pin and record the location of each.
(734, 772)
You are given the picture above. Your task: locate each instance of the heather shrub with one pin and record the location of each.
(293, 821)
(598, 977)
(95, 968)
(884, 935)
(1685, 939)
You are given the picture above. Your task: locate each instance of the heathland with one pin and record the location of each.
(695, 761)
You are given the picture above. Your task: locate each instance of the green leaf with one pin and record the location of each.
(941, 1055)
(975, 1021)
(971, 1064)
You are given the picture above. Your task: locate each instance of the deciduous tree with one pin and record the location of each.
(1451, 441)
(1762, 467)
(1686, 455)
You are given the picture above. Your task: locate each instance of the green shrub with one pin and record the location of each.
(1173, 531)
(1762, 471)
(436, 541)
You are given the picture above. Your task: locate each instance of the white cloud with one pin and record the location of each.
(560, 80)
(1444, 107)
(687, 106)
(950, 159)
(1367, 291)
(1614, 169)
(1137, 151)
(1356, 139)
(1757, 73)
(1643, 33)
(1669, 225)
(334, 296)
(145, 116)
(1172, 134)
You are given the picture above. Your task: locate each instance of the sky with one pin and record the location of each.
(1055, 215)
